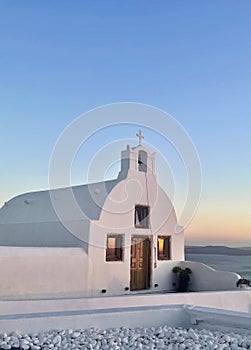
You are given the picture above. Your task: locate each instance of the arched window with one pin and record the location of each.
(142, 161)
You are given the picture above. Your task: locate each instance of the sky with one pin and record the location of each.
(60, 59)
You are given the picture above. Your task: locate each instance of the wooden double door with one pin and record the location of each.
(140, 263)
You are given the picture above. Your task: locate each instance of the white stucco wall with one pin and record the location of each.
(26, 271)
(205, 278)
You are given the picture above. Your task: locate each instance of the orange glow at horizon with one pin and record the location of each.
(221, 224)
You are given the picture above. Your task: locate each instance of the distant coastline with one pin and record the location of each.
(217, 250)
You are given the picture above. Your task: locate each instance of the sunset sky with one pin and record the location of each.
(60, 59)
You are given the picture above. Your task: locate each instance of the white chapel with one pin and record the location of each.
(125, 239)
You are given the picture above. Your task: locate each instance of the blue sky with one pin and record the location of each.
(190, 58)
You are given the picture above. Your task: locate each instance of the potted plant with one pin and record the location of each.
(183, 277)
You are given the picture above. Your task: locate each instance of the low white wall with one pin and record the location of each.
(205, 278)
(239, 301)
(130, 317)
(219, 320)
(38, 315)
(25, 271)
(138, 316)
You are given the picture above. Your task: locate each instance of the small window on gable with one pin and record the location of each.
(164, 247)
(114, 249)
(142, 161)
(141, 216)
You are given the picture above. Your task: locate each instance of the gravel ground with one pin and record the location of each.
(125, 338)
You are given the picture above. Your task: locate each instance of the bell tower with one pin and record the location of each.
(137, 159)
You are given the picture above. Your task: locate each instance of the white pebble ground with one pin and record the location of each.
(125, 338)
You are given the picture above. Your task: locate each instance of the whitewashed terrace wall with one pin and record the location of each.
(205, 278)
(132, 317)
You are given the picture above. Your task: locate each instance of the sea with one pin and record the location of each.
(234, 263)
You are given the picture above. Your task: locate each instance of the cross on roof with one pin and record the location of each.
(140, 136)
